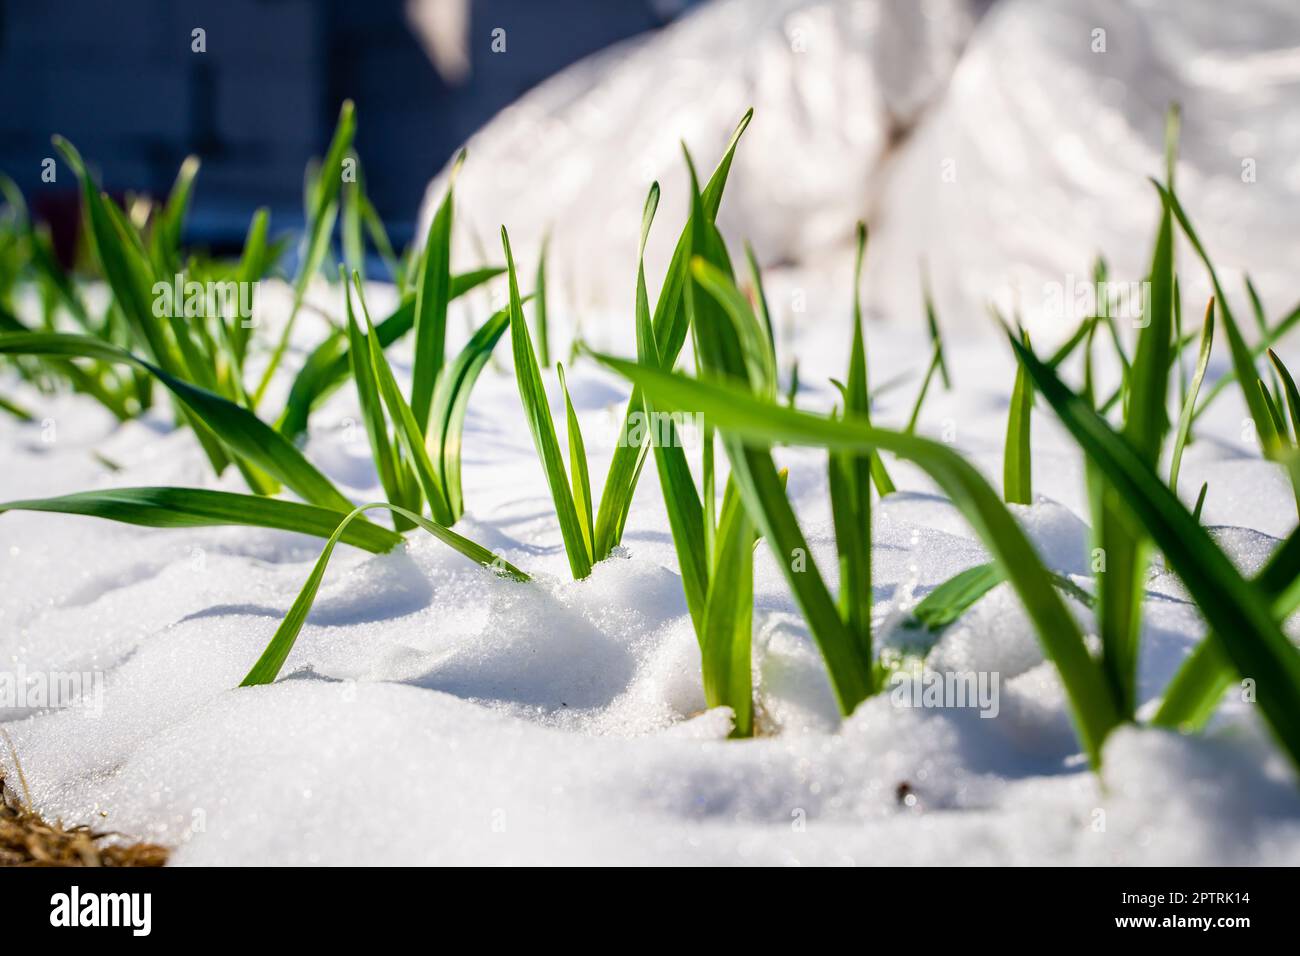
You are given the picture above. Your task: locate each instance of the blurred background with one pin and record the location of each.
(122, 81)
(999, 147)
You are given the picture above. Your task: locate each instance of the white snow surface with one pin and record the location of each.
(432, 713)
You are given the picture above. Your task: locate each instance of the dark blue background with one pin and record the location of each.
(119, 79)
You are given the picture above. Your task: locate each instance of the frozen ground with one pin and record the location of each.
(432, 713)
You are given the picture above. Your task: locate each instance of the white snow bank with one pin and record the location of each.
(1006, 158)
(832, 83)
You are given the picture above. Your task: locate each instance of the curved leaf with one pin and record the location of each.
(199, 507)
(268, 665)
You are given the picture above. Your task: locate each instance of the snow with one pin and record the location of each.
(432, 713)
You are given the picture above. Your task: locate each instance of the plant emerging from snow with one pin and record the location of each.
(415, 441)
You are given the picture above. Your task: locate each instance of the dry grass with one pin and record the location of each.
(26, 839)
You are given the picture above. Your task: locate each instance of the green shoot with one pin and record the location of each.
(433, 292)
(533, 396)
(539, 291)
(1017, 469)
(1189, 405)
(236, 427)
(670, 328)
(936, 362)
(578, 466)
(326, 368)
(451, 402)
(409, 435)
(1239, 613)
(761, 423)
(200, 508)
(323, 210)
(387, 461)
(1200, 501)
(951, 599)
(936, 337)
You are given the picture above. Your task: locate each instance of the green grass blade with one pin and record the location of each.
(16, 410)
(857, 399)
(324, 196)
(124, 265)
(685, 513)
(1235, 610)
(1257, 307)
(1194, 389)
(1080, 335)
(80, 379)
(327, 367)
(578, 466)
(433, 292)
(951, 599)
(1121, 587)
(372, 407)
(1148, 417)
(1276, 332)
(1242, 360)
(725, 346)
(277, 651)
(849, 478)
(851, 674)
(936, 362)
(760, 297)
(1276, 434)
(1288, 388)
(719, 343)
(379, 237)
(171, 221)
(1017, 461)
(540, 323)
(201, 508)
(533, 397)
(755, 344)
(238, 428)
(1200, 501)
(253, 264)
(1193, 695)
(681, 499)
(408, 431)
(670, 329)
(1198, 686)
(46, 266)
(754, 421)
(849, 482)
(354, 246)
(451, 402)
(728, 617)
(1100, 281)
(936, 336)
